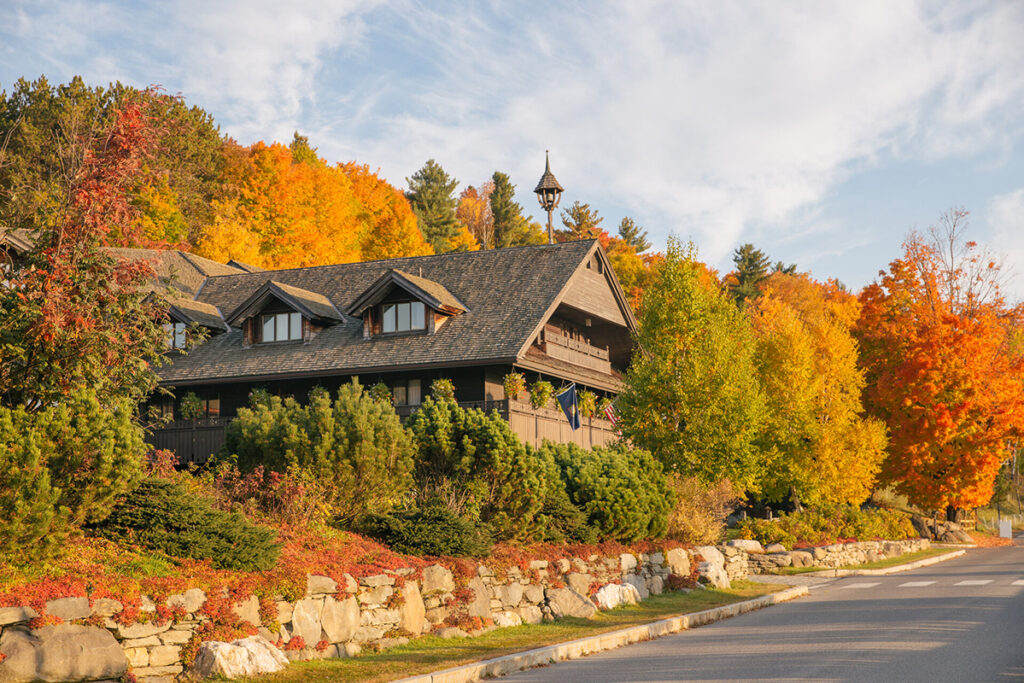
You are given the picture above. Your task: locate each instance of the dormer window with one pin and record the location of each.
(279, 327)
(176, 335)
(406, 316)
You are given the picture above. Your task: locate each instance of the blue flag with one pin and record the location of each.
(567, 399)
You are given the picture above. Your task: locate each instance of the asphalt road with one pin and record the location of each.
(959, 620)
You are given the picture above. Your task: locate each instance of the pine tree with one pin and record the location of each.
(581, 222)
(511, 228)
(751, 268)
(634, 235)
(302, 153)
(432, 195)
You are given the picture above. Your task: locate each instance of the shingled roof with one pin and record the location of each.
(180, 270)
(506, 292)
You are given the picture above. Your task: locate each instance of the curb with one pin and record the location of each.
(935, 559)
(574, 649)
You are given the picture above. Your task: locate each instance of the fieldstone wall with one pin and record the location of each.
(340, 617)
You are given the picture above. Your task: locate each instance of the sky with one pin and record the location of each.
(821, 132)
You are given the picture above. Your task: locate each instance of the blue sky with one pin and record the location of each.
(820, 131)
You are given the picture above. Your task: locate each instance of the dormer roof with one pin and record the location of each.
(198, 312)
(311, 304)
(432, 293)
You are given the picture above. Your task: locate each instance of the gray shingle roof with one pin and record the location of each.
(506, 292)
(199, 312)
(178, 269)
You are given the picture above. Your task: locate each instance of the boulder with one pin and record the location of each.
(639, 584)
(437, 579)
(627, 562)
(655, 585)
(615, 594)
(533, 594)
(749, 545)
(678, 561)
(12, 615)
(246, 657)
(579, 582)
(531, 614)
(565, 602)
(248, 610)
(450, 632)
(713, 575)
(802, 558)
(413, 610)
(106, 607)
(510, 595)
(711, 554)
(191, 600)
(320, 585)
(306, 620)
(775, 548)
(507, 618)
(67, 652)
(340, 619)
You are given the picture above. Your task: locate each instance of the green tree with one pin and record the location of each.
(302, 153)
(511, 228)
(581, 222)
(751, 269)
(634, 235)
(432, 196)
(355, 445)
(692, 395)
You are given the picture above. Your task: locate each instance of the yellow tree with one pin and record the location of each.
(474, 212)
(819, 447)
(389, 228)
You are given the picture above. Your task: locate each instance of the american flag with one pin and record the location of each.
(609, 412)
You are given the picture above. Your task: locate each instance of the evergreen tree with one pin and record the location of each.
(302, 153)
(511, 228)
(634, 235)
(432, 196)
(783, 269)
(581, 222)
(751, 268)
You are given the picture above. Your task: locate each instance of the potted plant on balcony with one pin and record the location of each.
(442, 389)
(587, 403)
(515, 385)
(541, 393)
(191, 407)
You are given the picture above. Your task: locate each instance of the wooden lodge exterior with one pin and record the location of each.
(553, 312)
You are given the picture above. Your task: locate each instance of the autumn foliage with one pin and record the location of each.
(936, 343)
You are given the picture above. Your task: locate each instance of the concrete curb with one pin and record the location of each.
(887, 570)
(574, 649)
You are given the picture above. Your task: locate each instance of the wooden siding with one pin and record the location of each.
(591, 292)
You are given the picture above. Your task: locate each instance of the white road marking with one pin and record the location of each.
(974, 582)
(862, 585)
(915, 584)
(1019, 582)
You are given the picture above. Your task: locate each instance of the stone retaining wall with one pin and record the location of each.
(340, 618)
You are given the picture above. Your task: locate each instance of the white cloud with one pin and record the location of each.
(1005, 218)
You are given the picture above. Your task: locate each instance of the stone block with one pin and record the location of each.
(507, 618)
(69, 609)
(538, 565)
(627, 562)
(565, 602)
(711, 554)
(656, 585)
(713, 575)
(437, 615)
(480, 605)
(13, 615)
(376, 580)
(177, 636)
(531, 614)
(191, 600)
(251, 656)
(580, 582)
(437, 579)
(413, 611)
(746, 544)
(66, 652)
(306, 619)
(615, 594)
(340, 619)
(510, 595)
(375, 596)
(639, 584)
(149, 641)
(351, 585)
(137, 656)
(133, 631)
(320, 585)
(678, 561)
(106, 607)
(284, 612)
(533, 594)
(248, 610)
(380, 617)
(802, 558)
(164, 655)
(450, 632)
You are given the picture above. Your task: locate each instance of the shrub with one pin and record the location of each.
(382, 392)
(355, 447)
(541, 393)
(190, 407)
(433, 531)
(623, 492)
(442, 389)
(829, 525)
(293, 497)
(61, 467)
(479, 454)
(588, 403)
(700, 509)
(166, 516)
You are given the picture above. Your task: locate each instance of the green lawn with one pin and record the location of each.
(880, 564)
(432, 654)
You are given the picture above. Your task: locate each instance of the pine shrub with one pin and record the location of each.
(166, 516)
(354, 446)
(432, 531)
(622, 491)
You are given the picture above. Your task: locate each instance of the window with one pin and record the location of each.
(211, 406)
(404, 317)
(407, 393)
(277, 327)
(175, 335)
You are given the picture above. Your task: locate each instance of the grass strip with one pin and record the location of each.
(880, 564)
(431, 653)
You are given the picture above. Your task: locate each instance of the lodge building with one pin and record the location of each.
(553, 312)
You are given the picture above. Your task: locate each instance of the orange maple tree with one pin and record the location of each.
(942, 372)
(389, 227)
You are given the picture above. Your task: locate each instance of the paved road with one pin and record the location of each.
(959, 620)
